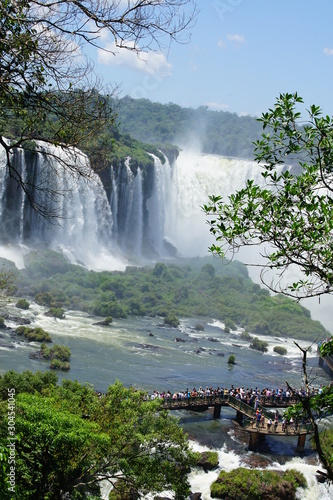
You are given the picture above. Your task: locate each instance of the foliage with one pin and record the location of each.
(33, 334)
(279, 349)
(171, 320)
(259, 345)
(232, 359)
(61, 352)
(69, 438)
(56, 312)
(291, 214)
(22, 304)
(56, 364)
(242, 484)
(166, 123)
(209, 460)
(48, 89)
(246, 336)
(182, 290)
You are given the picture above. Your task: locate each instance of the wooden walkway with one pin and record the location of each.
(246, 415)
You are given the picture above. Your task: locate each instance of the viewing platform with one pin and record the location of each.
(246, 415)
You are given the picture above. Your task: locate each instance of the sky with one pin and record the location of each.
(241, 56)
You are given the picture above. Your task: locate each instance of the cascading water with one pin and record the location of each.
(84, 227)
(130, 219)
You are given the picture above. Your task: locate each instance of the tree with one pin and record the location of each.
(68, 439)
(290, 216)
(48, 91)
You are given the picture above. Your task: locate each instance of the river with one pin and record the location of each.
(141, 352)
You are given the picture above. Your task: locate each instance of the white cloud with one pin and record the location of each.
(328, 52)
(236, 38)
(151, 62)
(216, 106)
(221, 45)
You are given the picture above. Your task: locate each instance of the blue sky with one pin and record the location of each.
(242, 54)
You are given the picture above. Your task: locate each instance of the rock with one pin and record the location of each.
(102, 323)
(16, 319)
(178, 339)
(196, 496)
(212, 339)
(208, 461)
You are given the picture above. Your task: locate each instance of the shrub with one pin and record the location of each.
(171, 320)
(280, 350)
(56, 364)
(22, 304)
(232, 360)
(244, 484)
(259, 345)
(33, 334)
(56, 312)
(246, 336)
(199, 327)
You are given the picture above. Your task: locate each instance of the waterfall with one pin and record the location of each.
(195, 177)
(135, 216)
(83, 230)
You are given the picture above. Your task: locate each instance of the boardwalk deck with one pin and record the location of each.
(245, 415)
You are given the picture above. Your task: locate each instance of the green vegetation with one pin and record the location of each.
(292, 209)
(166, 123)
(56, 364)
(61, 352)
(208, 460)
(280, 350)
(171, 320)
(22, 304)
(259, 345)
(69, 438)
(245, 484)
(33, 334)
(171, 291)
(56, 312)
(232, 359)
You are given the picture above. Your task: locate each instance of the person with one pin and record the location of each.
(269, 424)
(276, 421)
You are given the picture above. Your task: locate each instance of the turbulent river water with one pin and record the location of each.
(142, 352)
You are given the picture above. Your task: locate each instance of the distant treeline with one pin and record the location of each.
(215, 132)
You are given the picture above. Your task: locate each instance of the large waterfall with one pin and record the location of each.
(104, 228)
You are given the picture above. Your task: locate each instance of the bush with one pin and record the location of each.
(56, 312)
(56, 364)
(208, 460)
(259, 345)
(246, 336)
(245, 484)
(280, 350)
(199, 327)
(22, 304)
(232, 360)
(171, 320)
(33, 334)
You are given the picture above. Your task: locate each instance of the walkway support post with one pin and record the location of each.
(239, 417)
(301, 442)
(253, 440)
(217, 411)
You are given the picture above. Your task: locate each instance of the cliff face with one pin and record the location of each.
(120, 209)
